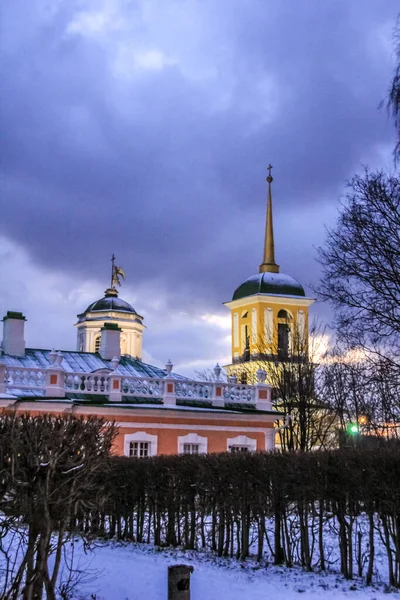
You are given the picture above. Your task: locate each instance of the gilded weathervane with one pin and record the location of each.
(116, 273)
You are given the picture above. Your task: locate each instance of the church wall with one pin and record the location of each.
(168, 443)
(164, 428)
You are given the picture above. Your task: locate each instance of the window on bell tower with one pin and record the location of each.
(97, 343)
(284, 319)
(283, 340)
(245, 342)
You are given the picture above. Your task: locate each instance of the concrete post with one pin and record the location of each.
(55, 385)
(179, 582)
(263, 396)
(169, 396)
(218, 395)
(114, 390)
(115, 382)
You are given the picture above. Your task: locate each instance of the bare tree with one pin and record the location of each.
(393, 100)
(361, 266)
(363, 395)
(52, 464)
(295, 377)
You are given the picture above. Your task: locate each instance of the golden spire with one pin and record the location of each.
(269, 264)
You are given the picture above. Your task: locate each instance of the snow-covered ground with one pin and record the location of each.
(139, 572)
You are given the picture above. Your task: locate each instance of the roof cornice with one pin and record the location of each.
(270, 299)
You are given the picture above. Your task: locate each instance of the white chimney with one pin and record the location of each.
(110, 345)
(13, 334)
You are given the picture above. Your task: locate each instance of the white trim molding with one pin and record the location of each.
(254, 332)
(141, 436)
(270, 439)
(193, 438)
(268, 325)
(242, 440)
(235, 330)
(301, 324)
(281, 299)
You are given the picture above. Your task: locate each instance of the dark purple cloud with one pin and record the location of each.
(166, 166)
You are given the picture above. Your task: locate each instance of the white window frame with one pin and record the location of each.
(243, 441)
(193, 438)
(141, 436)
(139, 444)
(190, 446)
(239, 449)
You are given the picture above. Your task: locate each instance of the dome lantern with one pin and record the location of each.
(113, 310)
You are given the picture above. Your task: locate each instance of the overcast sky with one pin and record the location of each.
(144, 128)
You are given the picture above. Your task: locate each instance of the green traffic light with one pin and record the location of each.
(354, 428)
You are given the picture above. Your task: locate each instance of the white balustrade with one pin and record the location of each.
(146, 387)
(217, 393)
(239, 393)
(24, 378)
(193, 390)
(86, 383)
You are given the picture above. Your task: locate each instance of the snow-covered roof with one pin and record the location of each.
(85, 362)
(273, 284)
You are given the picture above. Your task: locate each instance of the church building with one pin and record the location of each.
(269, 313)
(157, 411)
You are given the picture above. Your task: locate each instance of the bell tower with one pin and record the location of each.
(269, 311)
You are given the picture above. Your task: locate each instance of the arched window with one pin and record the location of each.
(245, 343)
(241, 443)
(243, 377)
(284, 318)
(283, 314)
(97, 342)
(283, 340)
(192, 443)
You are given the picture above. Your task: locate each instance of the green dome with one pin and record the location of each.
(274, 284)
(110, 302)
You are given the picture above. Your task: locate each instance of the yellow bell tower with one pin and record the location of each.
(269, 313)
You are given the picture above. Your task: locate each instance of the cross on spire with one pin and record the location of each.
(269, 178)
(112, 269)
